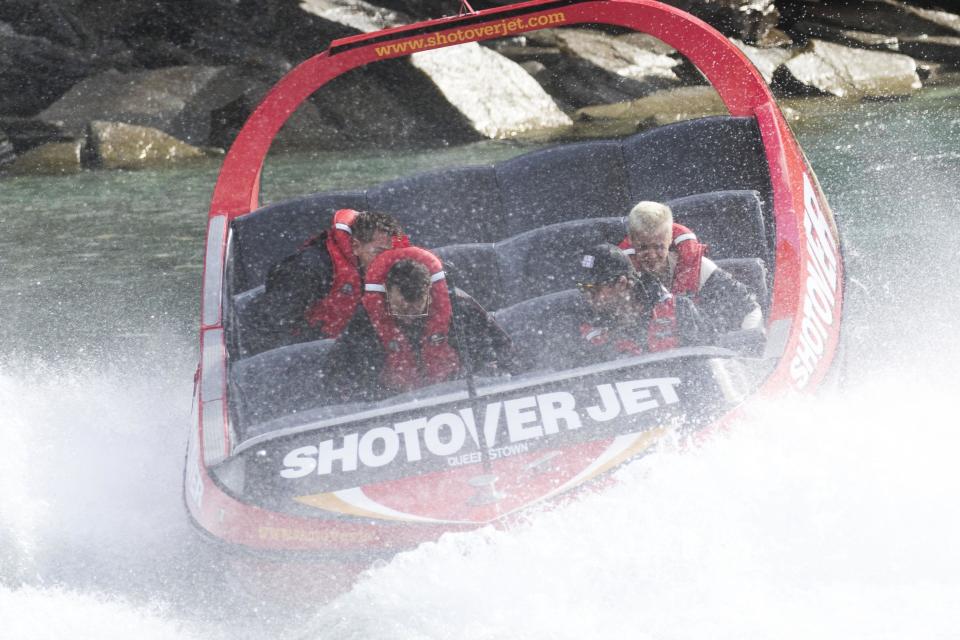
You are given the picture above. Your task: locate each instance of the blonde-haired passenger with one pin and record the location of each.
(672, 253)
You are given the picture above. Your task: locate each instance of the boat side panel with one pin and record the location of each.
(808, 277)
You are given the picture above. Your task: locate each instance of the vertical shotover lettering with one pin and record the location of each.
(820, 296)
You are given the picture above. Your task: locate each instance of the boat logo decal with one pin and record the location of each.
(820, 296)
(470, 34)
(508, 427)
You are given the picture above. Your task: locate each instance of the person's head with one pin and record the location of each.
(372, 234)
(612, 285)
(407, 291)
(605, 278)
(650, 226)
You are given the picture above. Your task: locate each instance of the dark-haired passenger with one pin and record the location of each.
(410, 332)
(313, 293)
(633, 313)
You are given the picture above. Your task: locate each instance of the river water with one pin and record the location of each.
(833, 517)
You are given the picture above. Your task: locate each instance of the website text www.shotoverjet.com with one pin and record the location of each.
(469, 34)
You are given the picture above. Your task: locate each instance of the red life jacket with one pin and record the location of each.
(438, 360)
(690, 253)
(661, 332)
(333, 312)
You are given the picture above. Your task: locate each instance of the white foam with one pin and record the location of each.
(829, 518)
(54, 614)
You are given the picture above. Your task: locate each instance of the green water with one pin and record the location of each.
(105, 261)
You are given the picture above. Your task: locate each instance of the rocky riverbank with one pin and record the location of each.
(136, 83)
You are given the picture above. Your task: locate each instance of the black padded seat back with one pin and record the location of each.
(543, 328)
(278, 381)
(246, 311)
(696, 156)
(546, 260)
(731, 222)
(474, 268)
(752, 273)
(582, 180)
(262, 237)
(449, 206)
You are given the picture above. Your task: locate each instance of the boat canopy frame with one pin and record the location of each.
(740, 86)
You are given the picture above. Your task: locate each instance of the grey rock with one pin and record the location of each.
(765, 60)
(391, 104)
(671, 105)
(846, 36)
(592, 68)
(498, 98)
(27, 133)
(53, 158)
(886, 17)
(829, 69)
(176, 100)
(7, 154)
(36, 71)
(449, 95)
(747, 20)
(932, 48)
(305, 128)
(621, 56)
(117, 145)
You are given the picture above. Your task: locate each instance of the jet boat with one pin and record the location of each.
(271, 467)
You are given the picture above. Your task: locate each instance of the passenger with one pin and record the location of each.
(409, 332)
(313, 293)
(633, 312)
(672, 253)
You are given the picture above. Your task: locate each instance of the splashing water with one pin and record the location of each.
(827, 517)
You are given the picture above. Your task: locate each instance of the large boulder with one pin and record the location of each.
(36, 71)
(176, 100)
(662, 107)
(944, 49)
(753, 21)
(581, 67)
(27, 133)
(117, 145)
(765, 60)
(447, 96)
(887, 17)
(923, 33)
(306, 128)
(625, 56)
(498, 98)
(824, 68)
(53, 158)
(807, 29)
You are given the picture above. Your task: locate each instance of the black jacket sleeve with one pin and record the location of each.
(480, 341)
(351, 369)
(693, 327)
(293, 285)
(725, 301)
